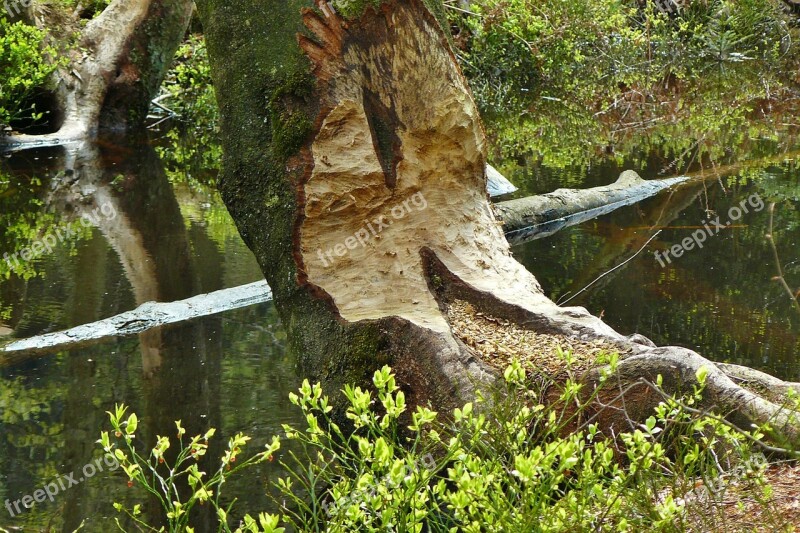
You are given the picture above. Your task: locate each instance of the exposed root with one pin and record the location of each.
(772, 388)
(678, 369)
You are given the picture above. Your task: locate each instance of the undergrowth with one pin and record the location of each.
(24, 70)
(505, 463)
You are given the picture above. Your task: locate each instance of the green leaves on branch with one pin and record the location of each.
(25, 64)
(514, 465)
(167, 477)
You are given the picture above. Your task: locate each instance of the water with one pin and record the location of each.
(228, 371)
(721, 299)
(171, 238)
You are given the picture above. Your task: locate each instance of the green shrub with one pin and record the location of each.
(161, 477)
(24, 69)
(193, 150)
(563, 48)
(515, 466)
(189, 84)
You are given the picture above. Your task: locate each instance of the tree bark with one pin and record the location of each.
(114, 70)
(354, 167)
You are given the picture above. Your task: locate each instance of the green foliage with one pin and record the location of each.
(193, 151)
(725, 30)
(561, 78)
(561, 48)
(24, 68)
(189, 84)
(512, 464)
(168, 479)
(516, 46)
(520, 466)
(24, 221)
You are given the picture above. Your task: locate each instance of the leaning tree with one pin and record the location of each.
(354, 167)
(110, 67)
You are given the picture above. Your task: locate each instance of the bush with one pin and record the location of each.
(571, 49)
(24, 69)
(516, 466)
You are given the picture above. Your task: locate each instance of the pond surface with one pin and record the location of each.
(170, 238)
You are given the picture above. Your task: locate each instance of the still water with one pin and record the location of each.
(171, 238)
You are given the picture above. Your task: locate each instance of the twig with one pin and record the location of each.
(780, 276)
(165, 108)
(610, 271)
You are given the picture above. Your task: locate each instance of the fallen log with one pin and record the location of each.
(145, 317)
(540, 216)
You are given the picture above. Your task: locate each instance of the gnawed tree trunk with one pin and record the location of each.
(115, 68)
(354, 168)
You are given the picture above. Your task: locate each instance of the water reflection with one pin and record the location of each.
(172, 238)
(52, 408)
(719, 300)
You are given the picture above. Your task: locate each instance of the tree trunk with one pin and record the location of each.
(116, 67)
(523, 219)
(354, 167)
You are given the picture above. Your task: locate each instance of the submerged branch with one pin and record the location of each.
(780, 277)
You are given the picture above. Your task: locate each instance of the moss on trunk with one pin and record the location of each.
(268, 106)
(374, 113)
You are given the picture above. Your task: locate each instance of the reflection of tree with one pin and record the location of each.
(620, 242)
(181, 363)
(149, 242)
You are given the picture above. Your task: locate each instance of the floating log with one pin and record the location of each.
(143, 318)
(540, 216)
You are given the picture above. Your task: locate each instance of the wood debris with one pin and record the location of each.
(500, 341)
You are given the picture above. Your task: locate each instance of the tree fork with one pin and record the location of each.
(354, 167)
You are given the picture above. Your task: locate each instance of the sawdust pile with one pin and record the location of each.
(499, 341)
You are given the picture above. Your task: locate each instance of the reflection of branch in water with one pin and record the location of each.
(780, 277)
(628, 260)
